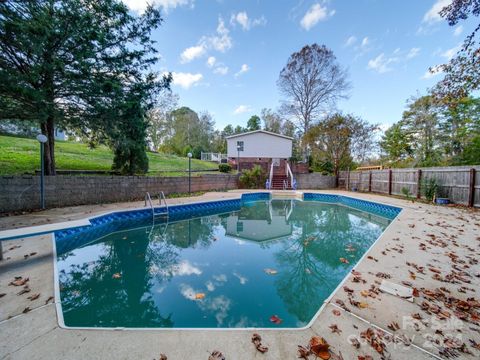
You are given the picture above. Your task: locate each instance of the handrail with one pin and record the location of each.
(271, 176)
(160, 197)
(289, 172)
(285, 184)
(149, 199)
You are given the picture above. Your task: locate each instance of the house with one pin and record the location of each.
(269, 150)
(258, 147)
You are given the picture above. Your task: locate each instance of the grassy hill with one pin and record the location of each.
(20, 156)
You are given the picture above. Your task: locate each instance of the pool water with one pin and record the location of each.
(269, 263)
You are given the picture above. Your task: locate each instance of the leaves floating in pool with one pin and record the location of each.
(275, 319)
(199, 296)
(343, 260)
(271, 271)
(116, 276)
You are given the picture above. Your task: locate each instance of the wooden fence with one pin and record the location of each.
(460, 184)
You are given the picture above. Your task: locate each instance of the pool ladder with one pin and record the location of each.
(161, 196)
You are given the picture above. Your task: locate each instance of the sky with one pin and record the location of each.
(226, 55)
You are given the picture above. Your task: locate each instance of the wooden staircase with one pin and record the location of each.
(280, 178)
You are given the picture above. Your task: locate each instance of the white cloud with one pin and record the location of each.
(435, 70)
(220, 42)
(242, 109)
(432, 15)
(141, 5)
(186, 80)
(315, 14)
(222, 70)
(211, 61)
(365, 42)
(243, 19)
(413, 53)
(458, 30)
(192, 53)
(242, 70)
(350, 41)
(450, 53)
(381, 63)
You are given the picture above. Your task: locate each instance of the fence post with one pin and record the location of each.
(389, 181)
(370, 182)
(471, 192)
(419, 183)
(347, 183)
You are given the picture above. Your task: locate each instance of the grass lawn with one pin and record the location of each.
(20, 156)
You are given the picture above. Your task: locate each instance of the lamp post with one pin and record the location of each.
(42, 139)
(189, 172)
(238, 158)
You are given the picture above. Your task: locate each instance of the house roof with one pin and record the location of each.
(259, 131)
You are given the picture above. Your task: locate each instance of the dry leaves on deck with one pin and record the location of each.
(19, 281)
(216, 355)
(257, 341)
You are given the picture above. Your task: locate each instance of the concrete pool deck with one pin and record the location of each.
(435, 249)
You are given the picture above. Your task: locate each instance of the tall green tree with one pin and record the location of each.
(396, 143)
(422, 124)
(254, 123)
(64, 62)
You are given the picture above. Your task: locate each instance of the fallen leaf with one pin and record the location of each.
(26, 310)
(163, 357)
(335, 329)
(19, 281)
(25, 290)
(2, 295)
(199, 296)
(303, 352)
(364, 293)
(216, 355)
(34, 297)
(343, 260)
(336, 312)
(275, 319)
(257, 341)
(48, 300)
(319, 347)
(270, 271)
(116, 276)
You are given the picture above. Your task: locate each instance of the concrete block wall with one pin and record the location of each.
(315, 181)
(22, 192)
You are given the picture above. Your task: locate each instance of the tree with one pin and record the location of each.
(421, 122)
(160, 119)
(340, 139)
(396, 143)
(254, 123)
(462, 73)
(63, 62)
(311, 82)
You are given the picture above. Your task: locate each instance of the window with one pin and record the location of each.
(239, 145)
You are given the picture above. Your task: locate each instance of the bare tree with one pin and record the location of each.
(311, 82)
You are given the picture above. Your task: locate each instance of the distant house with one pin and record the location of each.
(258, 147)
(269, 150)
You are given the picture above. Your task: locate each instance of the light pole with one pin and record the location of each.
(42, 139)
(238, 158)
(189, 172)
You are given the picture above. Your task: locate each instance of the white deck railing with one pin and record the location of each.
(215, 157)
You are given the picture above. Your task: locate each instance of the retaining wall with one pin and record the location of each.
(22, 192)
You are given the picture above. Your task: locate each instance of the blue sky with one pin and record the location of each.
(226, 55)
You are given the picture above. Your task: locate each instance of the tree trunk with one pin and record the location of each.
(48, 129)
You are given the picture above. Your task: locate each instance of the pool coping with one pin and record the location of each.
(57, 300)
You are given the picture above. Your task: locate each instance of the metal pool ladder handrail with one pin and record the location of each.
(149, 199)
(160, 197)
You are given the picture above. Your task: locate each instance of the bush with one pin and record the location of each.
(429, 188)
(406, 193)
(225, 168)
(253, 179)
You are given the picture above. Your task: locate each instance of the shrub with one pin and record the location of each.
(430, 188)
(406, 192)
(253, 179)
(225, 168)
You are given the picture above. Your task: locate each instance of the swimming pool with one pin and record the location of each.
(252, 262)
